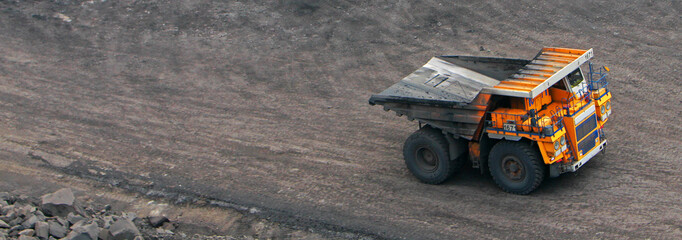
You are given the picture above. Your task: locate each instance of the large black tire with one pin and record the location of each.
(426, 155)
(516, 167)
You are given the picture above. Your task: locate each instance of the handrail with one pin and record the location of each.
(535, 125)
(579, 100)
(601, 81)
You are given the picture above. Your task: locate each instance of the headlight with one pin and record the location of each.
(602, 109)
(556, 145)
(608, 105)
(563, 140)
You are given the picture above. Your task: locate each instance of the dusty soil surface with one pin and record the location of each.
(262, 107)
(192, 221)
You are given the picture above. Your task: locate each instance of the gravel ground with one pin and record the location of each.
(262, 107)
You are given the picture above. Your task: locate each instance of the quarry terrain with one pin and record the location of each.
(249, 119)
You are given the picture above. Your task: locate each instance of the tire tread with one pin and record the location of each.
(436, 137)
(535, 160)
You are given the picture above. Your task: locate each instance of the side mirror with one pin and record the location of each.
(607, 69)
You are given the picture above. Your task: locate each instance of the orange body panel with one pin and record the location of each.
(548, 107)
(526, 117)
(601, 103)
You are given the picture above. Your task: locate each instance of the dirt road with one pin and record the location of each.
(263, 106)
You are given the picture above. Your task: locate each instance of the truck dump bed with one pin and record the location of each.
(446, 92)
(452, 92)
(450, 80)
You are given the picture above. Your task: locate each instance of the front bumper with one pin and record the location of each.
(574, 167)
(559, 168)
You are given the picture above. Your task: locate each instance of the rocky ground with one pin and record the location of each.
(97, 203)
(251, 117)
(59, 216)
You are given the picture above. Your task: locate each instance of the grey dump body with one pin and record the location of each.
(449, 91)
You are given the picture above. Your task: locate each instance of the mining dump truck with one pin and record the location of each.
(521, 120)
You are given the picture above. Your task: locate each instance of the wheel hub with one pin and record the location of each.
(513, 168)
(427, 160)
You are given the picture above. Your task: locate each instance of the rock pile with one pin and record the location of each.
(59, 216)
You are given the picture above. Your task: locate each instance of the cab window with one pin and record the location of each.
(576, 82)
(575, 78)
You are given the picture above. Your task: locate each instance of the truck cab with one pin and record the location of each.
(521, 120)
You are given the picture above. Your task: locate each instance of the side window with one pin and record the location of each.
(575, 78)
(577, 82)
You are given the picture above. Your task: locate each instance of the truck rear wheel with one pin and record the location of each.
(516, 167)
(426, 156)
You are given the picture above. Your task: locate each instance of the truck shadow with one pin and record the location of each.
(564, 184)
(468, 176)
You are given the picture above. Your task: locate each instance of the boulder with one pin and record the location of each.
(59, 203)
(15, 230)
(63, 222)
(42, 230)
(24, 210)
(104, 234)
(123, 229)
(24, 237)
(39, 214)
(30, 222)
(8, 217)
(27, 232)
(79, 224)
(157, 221)
(7, 209)
(56, 229)
(74, 218)
(3, 224)
(16, 222)
(84, 232)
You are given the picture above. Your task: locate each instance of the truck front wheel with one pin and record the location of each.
(516, 167)
(426, 156)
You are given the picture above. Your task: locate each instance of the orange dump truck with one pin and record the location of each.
(522, 120)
